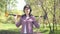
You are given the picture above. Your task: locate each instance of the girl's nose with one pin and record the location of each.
(28, 9)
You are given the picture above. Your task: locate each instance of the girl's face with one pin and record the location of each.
(27, 11)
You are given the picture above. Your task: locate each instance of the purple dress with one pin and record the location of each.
(27, 24)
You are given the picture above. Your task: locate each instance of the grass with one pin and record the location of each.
(12, 29)
(8, 29)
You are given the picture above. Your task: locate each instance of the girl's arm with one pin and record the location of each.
(35, 23)
(18, 23)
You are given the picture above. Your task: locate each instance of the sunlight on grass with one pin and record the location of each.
(7, 26)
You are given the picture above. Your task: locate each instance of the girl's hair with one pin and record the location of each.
(27, 6)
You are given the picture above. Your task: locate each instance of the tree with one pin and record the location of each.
(4, 9)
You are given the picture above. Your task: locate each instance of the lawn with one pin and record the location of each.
(12, 29)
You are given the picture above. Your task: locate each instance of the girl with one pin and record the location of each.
(27, 21)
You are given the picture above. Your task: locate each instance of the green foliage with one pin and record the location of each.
(3, 9)
(48, 6)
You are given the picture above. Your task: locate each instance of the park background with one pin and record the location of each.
(47, 13)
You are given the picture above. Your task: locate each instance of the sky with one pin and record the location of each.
(19, 5)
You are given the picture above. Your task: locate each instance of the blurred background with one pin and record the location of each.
(47, 13)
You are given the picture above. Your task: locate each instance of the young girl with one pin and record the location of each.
(27, 21)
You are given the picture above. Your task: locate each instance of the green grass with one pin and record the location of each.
(12, 29)
(8, 29)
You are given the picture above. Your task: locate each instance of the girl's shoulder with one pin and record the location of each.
(33, 17)
(23, 16)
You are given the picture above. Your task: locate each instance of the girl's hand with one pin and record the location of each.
(15, 18)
